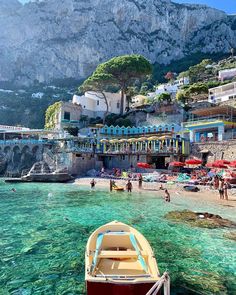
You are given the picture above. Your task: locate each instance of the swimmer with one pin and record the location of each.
(167, 196)
(13, 190)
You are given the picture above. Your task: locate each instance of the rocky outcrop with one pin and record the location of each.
(52, 39)
(198, 219)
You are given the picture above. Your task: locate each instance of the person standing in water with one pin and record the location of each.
(92, 183)
(111, 185)
(167, 196)
(140, 181)
(129, 186)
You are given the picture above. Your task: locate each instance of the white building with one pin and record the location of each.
(172, 88)
(222, 93)
(227, 74)
(93, 104)
(68, 115)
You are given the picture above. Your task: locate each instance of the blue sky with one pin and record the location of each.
(227, 5)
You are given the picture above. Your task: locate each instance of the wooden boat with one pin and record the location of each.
(117, 188)
(119, 260)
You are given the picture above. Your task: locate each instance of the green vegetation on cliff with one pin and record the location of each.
(50, 115)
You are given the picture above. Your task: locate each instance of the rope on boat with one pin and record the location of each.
(164, 281)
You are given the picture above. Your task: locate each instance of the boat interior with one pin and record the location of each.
(121, 254)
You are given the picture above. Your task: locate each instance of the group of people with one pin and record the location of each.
(222, 186)
(129, 186)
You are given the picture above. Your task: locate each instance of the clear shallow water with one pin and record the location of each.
(44, 229)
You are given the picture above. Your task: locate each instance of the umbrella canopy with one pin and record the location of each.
(222, 162)
(177, 164)
(165, 137)
(131, 139)
(193, 162)
(144, 165)
(233, 164)
(219, 165)
(122, 140)
(209, 165)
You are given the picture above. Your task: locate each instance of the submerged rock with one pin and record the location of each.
(231, 236)
(200, 219)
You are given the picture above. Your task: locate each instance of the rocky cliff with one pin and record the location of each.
(51, 39)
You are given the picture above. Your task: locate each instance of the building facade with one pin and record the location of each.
(212, 124)
(68, 115)
(222, 93)
(227, 74)
(93, 103)
(123, 147)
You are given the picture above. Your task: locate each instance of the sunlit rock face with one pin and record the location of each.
(52, 39)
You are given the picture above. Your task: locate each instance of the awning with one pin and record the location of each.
(204, 151)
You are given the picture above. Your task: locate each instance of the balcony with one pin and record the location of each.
(216, 95)
(211, 119)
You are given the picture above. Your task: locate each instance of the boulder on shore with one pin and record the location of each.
(198, 219)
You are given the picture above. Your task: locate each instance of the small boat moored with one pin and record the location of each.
(119, 260)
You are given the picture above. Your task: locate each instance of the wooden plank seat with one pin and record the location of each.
(120, 254)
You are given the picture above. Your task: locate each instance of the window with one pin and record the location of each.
(97, 102)
(118, 105)
(67, 116)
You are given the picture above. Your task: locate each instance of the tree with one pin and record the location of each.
(72, 130)
(51, 115)
(169, 76)
(125, 70)
(181, 96)
(98, 82)
(164, 97)
(130, 92)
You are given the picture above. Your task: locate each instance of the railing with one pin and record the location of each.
(163, 282)
(207, 120)
(144, 151)
(22, 141)
(223, 93)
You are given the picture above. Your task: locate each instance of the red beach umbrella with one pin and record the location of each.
(233, 164)
(222, 162)
(219, 165)
(209, 165)
(144, 165)
(193, 162)
(177, 164)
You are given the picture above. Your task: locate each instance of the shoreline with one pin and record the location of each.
(176, 190)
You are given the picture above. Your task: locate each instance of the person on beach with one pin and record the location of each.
(129, 186)
(225, 190)
(167, 196)
(140, 181)
(161, 187)
(221, 189)
(111, 185)
(216, 182)
(92, 183)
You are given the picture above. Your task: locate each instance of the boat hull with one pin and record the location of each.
(95, 288)
(50, 177)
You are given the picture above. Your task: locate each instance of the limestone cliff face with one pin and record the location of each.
(52, 39)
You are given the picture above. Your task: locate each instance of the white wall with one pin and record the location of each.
(93, 103)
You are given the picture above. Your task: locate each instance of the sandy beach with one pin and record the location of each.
(176, 190)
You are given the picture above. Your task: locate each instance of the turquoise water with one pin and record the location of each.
(44, 229)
